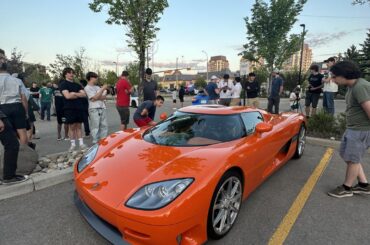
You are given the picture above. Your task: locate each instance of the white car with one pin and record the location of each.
(134, 100)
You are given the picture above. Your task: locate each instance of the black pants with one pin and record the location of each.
(85, 115)
(273, 101)
(11, 148)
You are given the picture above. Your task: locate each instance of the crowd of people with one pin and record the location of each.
(80, 103)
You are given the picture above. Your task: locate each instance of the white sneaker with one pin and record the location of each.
(72, 148)
(83, 147)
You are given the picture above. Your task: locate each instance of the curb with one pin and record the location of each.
(36, 182)
(40, 181)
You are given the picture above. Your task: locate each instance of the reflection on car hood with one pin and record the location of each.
(133, 162)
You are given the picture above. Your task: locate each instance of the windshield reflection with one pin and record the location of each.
(186, 129)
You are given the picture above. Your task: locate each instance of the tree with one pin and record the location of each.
(133, 70)
(352, 54)
(267, 32)
(291, 78)
(61, 62)
(361, 2)
(78, 62)
(15, 63)
(364, 60)
(139, 17)
(200, 82)
(108, 77)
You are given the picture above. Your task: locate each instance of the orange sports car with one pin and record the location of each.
(183, 180)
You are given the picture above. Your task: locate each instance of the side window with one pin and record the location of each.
(250, 120)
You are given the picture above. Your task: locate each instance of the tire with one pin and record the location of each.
(225, 199)
(301, 142)
(133, 104)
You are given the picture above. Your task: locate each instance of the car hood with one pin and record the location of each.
(131, 162)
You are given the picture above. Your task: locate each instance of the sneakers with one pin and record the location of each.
(83, 147)
(72, 148)
(16, 179)
(361, 190)
(340, 192)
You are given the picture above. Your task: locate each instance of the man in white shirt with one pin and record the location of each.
(330, 88)
(235, 93)
(97, 107)
(226, 86)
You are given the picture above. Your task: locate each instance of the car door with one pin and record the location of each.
(258, 162)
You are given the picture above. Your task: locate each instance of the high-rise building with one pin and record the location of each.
(293, 62)
(218, 63)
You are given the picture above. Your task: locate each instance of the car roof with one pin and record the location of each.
(218, 109)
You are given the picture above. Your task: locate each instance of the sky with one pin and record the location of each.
(40, 29)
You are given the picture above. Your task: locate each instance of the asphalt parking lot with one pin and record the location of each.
(50, 217)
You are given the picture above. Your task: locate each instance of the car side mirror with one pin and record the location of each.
(263, 127)
(163, 116)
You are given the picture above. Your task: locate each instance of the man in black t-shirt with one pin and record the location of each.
(73, 107)
(35, 93)
(58, 101)
(314, 90)
(150, 89)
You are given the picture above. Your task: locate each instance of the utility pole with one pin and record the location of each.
(177, 73)
(300, 63)
(206, 62)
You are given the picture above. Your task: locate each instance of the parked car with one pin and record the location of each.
(190, 90)
(200, 99)
(183, 180)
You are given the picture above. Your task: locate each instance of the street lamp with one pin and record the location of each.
(206, 61)
(116, 67)
(117, 63)
(300, 63)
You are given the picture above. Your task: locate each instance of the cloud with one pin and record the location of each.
(320, 39)
(237, 47)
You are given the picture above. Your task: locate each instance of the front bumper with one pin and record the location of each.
(105, 229)
(127, 231)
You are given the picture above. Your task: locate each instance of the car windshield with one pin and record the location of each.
(188, 129)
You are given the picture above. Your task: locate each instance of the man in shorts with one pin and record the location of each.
(313, 90)
(356, 138)
(73, 107)
(123, 89)
(58, 100)
(13, 101)
(141, 116)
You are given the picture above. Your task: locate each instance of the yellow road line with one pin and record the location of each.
(287, 223)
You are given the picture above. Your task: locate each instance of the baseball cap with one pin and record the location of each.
(214, 77)
(276, 70)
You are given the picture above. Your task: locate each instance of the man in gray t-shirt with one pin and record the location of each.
(356, 138)
(150, 89)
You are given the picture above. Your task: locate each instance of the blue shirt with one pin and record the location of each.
(210, 88)
(276, 83)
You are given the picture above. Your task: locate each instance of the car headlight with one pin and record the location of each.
(157, 195)
(87, 158)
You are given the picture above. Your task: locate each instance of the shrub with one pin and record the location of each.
(324, 125)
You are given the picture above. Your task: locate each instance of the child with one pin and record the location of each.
(294, 98)
(174, 94)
